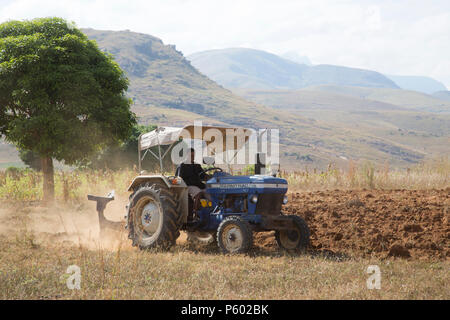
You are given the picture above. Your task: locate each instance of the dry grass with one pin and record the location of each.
(433, 174)
(30, 270)
(25, 184)
(35, 252)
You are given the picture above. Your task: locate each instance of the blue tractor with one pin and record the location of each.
(232, 209)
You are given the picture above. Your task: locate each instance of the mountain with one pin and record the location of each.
(418, 83)
(168, 90)
(443, 95)
(248, 68)
(256, 69)
(160, 76)
(424, 132)
(8, 155)
(295, 57)
(403, 98)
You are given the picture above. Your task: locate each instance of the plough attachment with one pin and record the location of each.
(101, 205)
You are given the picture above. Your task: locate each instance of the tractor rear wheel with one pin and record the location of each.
(152, 218)
(295, 239)
(234, 235)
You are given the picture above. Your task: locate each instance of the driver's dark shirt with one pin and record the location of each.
(192, 174)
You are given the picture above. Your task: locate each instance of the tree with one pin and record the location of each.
(60, 96)
(31, 159)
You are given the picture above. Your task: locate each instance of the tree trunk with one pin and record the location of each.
(49, 181)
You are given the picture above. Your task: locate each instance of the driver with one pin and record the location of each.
(192, 174)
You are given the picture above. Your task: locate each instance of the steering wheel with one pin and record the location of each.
(213, 168)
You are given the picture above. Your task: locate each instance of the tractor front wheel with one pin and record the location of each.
(294, 239)
(234, 235)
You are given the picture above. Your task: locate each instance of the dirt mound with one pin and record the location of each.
(397, 250)
(399, 223)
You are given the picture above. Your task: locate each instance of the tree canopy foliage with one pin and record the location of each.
(31, 159)
(61, 97)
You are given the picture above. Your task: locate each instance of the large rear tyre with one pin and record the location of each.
(295, 239)
(152, 218)
(234, 235)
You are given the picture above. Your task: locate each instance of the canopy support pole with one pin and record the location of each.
(160, 158)
(139, 153)
(159, 153)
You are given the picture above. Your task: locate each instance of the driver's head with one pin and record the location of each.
(191, 155)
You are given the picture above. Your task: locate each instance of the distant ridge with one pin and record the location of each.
(256, 69)
(418, 83)
(316, 128)
(295, 57)
(169, 90)
(404, 98)
(443, 95)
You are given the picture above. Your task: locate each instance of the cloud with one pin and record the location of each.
(394, 37)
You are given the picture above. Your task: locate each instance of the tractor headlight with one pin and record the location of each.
(254, 198)
(285, 199)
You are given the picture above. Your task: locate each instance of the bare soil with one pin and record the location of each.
(400, 223)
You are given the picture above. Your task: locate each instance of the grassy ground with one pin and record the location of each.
(29, 270)
(72, 186)
(35, 251)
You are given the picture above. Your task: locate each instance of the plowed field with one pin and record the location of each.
(404, 223)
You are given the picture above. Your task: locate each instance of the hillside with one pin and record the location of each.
(168, 90)
(418, 83)
(8, 155)
(442, 95)
(160, 75)
(295, 57)
(420, 131)
(403, 98)
(256, 69)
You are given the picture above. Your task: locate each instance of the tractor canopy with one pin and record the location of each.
(208, 134)
(170, 135)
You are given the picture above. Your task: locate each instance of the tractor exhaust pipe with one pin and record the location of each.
(101, 205)
(260, 166)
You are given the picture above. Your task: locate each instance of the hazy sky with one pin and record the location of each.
(394, 37)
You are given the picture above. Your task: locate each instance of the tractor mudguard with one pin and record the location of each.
(178, 188)
(279, 222)
(139, 180)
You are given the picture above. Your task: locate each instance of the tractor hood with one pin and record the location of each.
(247, 184)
